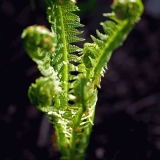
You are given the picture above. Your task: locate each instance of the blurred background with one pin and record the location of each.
(127, 121)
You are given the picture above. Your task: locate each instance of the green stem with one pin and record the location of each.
(65, 54)
(85, 138)
(111, 45)
(61, 140)
(74, 135)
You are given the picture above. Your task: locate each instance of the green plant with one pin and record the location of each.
(67, 91)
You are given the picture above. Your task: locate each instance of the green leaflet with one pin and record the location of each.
(67, 90)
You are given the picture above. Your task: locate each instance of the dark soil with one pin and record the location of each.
(127, 121)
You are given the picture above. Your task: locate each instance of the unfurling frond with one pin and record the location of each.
(67, 90)
(123, 18)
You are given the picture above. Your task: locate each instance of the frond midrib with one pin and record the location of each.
(109, 47)
(64, 54)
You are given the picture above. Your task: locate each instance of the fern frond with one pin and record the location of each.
(123, 18)
(64, 23)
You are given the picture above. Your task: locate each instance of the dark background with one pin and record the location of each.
(127, 121)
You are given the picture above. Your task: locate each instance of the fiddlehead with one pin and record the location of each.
(39, 43)
(38, 37)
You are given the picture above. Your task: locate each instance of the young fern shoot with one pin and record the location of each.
(67, 90)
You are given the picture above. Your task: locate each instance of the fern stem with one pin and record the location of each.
(74, 135)
(65, 54)
(61, 140)
(85, 138)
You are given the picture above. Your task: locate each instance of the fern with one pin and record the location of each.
(67, 90)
